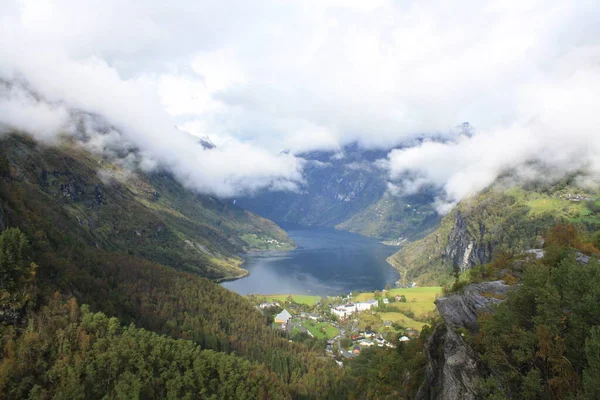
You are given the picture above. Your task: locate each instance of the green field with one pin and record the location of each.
(321, 330)
(541, 203)
(402, 320)
(298, 298)
(419, 300)
(420, 295)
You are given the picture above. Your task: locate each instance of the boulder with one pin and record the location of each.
(462, 310)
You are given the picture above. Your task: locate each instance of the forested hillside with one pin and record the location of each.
(496, 220)
(525, 326)
(58, 250)
(116, 209)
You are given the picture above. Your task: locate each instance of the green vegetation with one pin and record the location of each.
(146, 215)
(418, 296)
(154, 328)
(417, 308)
(391, 373)
(496, 220)
(321, 330)
(542, 342)
(257, 242)
(393, 217)
(69, 352)
(296, 298)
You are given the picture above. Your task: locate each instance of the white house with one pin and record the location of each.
(366, 305)
(343, 311)
(283, 317)
(267, 304)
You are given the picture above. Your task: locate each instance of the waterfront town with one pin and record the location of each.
(344, 326)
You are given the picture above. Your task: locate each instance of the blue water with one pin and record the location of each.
(326, 262)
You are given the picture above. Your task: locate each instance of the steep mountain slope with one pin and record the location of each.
(347, 190)
(496, 220)
(74, 239)
(535, 338)
(148, 215)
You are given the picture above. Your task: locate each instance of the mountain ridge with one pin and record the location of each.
(139, 212)
(348, 190)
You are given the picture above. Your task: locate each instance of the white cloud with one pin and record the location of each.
(259, 77)
(19, 110)
(557, 134)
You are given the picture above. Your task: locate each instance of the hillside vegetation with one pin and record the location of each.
(146, 215)
(542, 340)
(496, 220)
(192, 338)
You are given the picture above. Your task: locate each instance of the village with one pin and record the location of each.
(344, 326)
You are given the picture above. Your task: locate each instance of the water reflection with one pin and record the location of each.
(327, 262)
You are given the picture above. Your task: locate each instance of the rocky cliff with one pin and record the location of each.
(470, 235)
(452, 368)
(464, 251)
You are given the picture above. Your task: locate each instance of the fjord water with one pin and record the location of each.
(326, 262)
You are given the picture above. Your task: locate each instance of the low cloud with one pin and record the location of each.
(556, 135)
(237, 168)
(20, 110)
(258, 78)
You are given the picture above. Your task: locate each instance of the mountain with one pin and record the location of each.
(102, 294)
(524, 326)
(149, 215)
(348, 190)
(503, 218)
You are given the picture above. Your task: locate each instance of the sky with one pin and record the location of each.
(263, 76)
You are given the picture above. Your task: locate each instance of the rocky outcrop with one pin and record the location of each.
(463, 250)
(462, 310)
(452, 368)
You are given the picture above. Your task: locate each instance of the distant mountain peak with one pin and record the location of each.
(465, 129)
(206, 143)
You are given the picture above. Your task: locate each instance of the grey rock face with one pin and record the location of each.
(462, 311)
(463, 251)
(452, 368)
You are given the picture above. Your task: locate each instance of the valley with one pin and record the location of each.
(292, 200)
(325, 262)
(397, 315)
(348, 190)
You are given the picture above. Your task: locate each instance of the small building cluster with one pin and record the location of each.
(268, 304)
(574, 197)
(345, 310)
(366, 339)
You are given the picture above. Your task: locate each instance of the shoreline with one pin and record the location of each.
(245, 273)
(381, 255)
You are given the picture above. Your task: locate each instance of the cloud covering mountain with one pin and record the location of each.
(258, 77)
